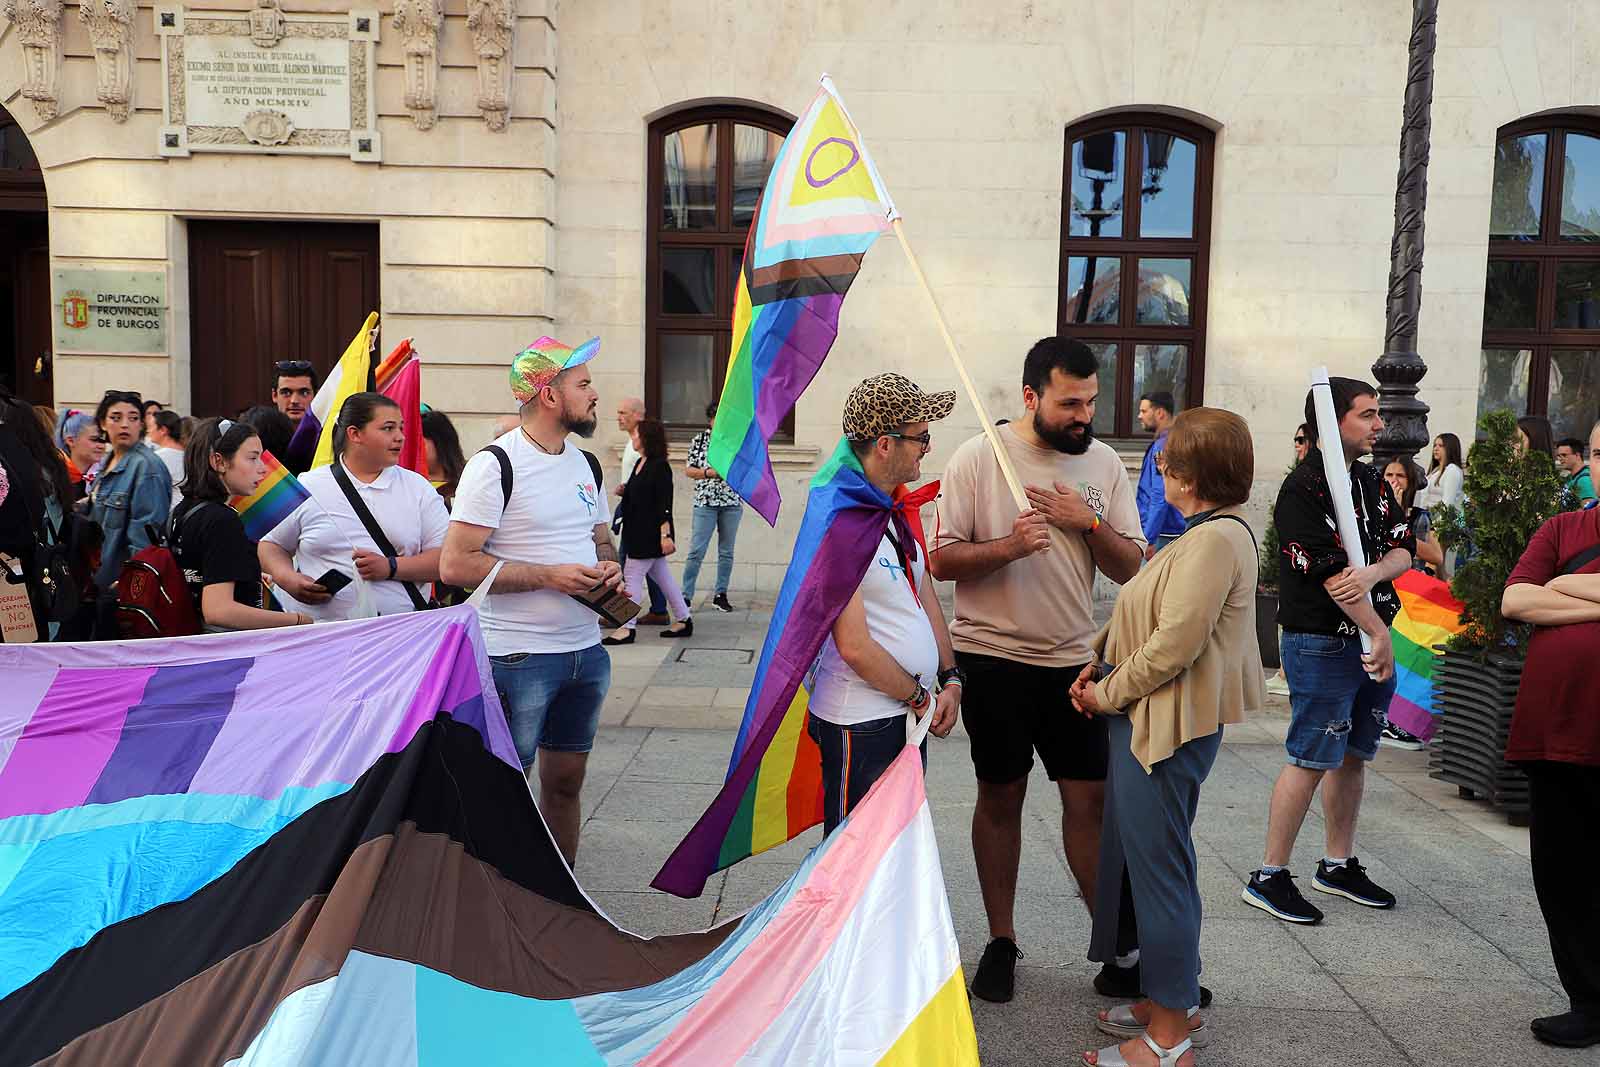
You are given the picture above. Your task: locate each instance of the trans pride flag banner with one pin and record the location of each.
(773, 791)
(1428, 616)
(822, 208)
(305, 846)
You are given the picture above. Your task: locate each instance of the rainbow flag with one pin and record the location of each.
(773, 790)
(404, 387)
(1429, 616)
(392, 365)
(273, 501)
(822, 208)
(296, 847)
(314, 436)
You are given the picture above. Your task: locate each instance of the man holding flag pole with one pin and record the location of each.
(1333, 514)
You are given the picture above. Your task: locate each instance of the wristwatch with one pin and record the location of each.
(952, 676)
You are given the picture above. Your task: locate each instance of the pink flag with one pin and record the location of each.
(405, 389)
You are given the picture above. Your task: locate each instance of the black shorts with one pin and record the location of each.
(1015, 709)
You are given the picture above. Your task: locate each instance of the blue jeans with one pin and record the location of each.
(1335, 708)
(552, 699)
(724, 519)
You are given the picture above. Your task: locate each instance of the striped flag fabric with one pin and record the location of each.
(822, 208)
(1429, 615)
(314, 436)
(773, 791)
(274, 500)
(296, 847)
(404, 387)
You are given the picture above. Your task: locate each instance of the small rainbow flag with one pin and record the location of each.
(1429, 616)
(822, 208)
(773, 791)
(273, 501)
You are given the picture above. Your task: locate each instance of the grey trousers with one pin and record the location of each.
(1146, 832)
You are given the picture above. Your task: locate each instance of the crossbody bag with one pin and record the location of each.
(375, 532)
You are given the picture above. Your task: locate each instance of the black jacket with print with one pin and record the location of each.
(1312, 551)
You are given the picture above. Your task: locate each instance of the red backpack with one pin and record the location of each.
(153, 599)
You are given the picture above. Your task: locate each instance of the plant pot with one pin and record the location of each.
(1267, 627)
(1476, 698)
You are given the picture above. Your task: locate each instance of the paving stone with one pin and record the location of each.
(1451, 1022)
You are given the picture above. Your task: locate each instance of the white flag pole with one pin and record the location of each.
(1338, 473)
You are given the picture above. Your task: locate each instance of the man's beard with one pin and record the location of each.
(1073, 440)
(583, 427)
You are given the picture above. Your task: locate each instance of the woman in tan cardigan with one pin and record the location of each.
(1178, 661)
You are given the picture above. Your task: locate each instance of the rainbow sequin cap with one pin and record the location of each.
(535, 366)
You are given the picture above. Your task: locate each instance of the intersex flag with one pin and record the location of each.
(773, 789)
(404, 387)
(298, 847)
(822, 208)
(314, 436)
(274, 500)
(1429, 615)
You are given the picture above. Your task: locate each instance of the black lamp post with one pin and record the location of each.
(1400, 367)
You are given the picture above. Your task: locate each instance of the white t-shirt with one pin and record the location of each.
(173, 458)
(630, 456)
(323, 531)
(554, 509)
(896, 621)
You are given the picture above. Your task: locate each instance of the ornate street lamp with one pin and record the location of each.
(1400, 367)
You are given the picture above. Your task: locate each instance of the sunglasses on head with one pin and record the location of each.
(292, 366)
(116, 396)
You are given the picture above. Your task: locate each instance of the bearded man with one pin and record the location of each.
(1024, 621)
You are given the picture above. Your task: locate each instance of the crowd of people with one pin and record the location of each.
(1127, 719)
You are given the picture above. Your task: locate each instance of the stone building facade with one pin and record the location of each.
(988, 121)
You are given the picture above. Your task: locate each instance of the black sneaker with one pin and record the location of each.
(1351, 882)
(720, 602)
(1570, 1030)
(1394, 737)
(1277, 896)
(996, 979)
(1126, 983)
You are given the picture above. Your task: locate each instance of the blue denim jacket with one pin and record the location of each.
(138, 493)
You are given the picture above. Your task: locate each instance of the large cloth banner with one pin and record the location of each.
(315, 846)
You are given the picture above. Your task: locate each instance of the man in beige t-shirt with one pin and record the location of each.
(1024, 622)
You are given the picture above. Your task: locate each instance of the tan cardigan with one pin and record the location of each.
(1183, 641)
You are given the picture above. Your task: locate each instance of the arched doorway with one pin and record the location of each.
(25, 346)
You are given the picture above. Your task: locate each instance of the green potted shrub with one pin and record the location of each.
(1506, 498)
(1267, 596)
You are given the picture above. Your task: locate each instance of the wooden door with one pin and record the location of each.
(265, 291)
(25, 342)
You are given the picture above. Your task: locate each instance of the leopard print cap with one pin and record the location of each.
(885, 403)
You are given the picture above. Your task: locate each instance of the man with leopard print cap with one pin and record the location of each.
(889, 650)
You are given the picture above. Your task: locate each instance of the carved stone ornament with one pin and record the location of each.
(267, 127)
(419, 23)
(38, 25)
(266, 23)
(492, 23)
(110, 26)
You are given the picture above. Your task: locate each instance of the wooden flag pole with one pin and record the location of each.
(989, 429)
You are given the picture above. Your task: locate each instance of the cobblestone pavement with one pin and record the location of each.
(1451, 976)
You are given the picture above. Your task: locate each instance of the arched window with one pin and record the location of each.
(1541, 302)
(1135, 233)
(707, 168)
(21, 180)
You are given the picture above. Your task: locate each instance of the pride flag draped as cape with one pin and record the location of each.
(314, 436)
(773, 791)
(273, 501)
(822, 208)
(1428, 616)
(304, 847)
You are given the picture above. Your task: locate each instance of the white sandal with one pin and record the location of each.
(1165, 1057)
(1120, 1022)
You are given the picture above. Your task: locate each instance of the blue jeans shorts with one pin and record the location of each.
(553, 699)
(1335, 708)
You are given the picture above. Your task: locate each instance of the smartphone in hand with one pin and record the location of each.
(334, 580)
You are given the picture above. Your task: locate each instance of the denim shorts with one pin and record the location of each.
(1335, 708)
(552, 699)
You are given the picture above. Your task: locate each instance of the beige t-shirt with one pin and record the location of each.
(1040, 609)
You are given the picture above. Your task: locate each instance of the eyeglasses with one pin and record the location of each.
(925, 439)
(1301, 440)
(292, 367)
